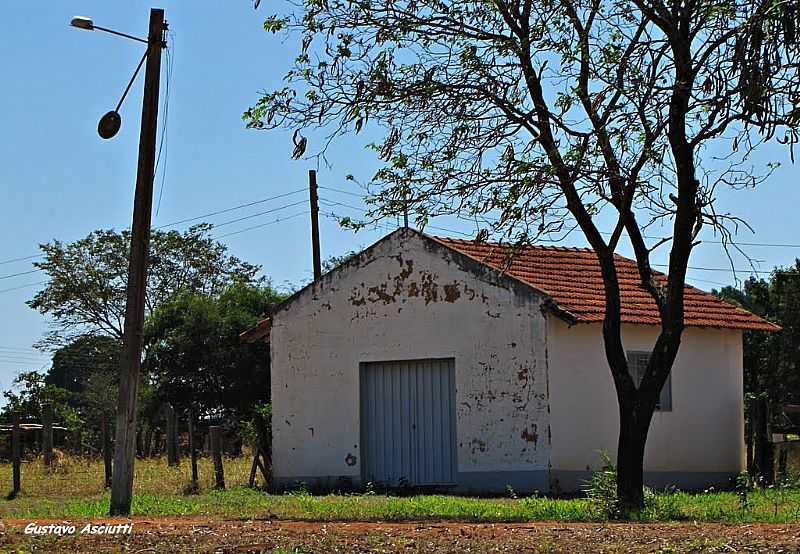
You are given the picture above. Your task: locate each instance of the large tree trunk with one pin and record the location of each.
(630, 459)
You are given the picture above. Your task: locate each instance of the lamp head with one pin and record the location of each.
(109, 125)
(82, 23)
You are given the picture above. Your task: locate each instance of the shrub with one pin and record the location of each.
(601, 490)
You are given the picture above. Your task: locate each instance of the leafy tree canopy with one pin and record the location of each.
(88, 278)
(30, 391)
(772, 360)
(194, 354)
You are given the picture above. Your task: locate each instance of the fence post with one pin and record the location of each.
(763, 451)
(16, 455)
(192, 449)
(106, 449)
(47, 433)
(172, 436)
(215, 440)
(77, 442)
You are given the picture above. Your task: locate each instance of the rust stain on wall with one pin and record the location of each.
(532, 435)
(451, 293)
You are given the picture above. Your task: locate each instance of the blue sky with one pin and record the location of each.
(59, 180)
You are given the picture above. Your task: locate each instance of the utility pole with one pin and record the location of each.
(312, 192)
(405, 210)
(125, 443)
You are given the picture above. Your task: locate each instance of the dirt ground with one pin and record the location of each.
(214, 535)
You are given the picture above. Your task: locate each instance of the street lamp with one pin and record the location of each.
(82, 22)
(109, 124)
(130, 360)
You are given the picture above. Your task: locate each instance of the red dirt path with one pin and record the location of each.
(197, 534)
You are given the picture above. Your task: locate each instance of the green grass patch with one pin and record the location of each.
(77, 492)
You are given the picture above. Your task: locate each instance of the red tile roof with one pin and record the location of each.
(571, 278)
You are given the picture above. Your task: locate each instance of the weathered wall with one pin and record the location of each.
(699, 443)
(410, 298)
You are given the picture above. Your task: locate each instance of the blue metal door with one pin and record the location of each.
(408, 431)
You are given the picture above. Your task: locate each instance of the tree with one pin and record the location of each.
(76, 365)
(195, 356)
(29, 392)
(772, 360)
(86, 292)
(532, 117)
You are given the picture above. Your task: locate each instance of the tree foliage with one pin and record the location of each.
(772, 360)
(30, 391)
(86, 292)
(195, 357)
(531, 117)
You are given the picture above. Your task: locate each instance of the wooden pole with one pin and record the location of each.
(314, 200)
(763, 451)
(77, 442)
(172, 436)
(192, 449)
(106, 449)
(47, 434)
(405, 211)
(125, 443)
(215, 440)
(16, 455)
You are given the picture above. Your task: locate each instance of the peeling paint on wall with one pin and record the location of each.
(407, 299)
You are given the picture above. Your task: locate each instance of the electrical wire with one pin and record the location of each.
(259, 214)
(752, 244)
(23, 286)
(227, 210)
(164, 143)
(10, 275)
(278, 220)
(694, 268)
(23, 259)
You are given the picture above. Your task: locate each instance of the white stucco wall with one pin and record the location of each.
(703, 435)
(409, 298)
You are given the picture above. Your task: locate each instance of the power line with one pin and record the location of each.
(754, 244)
(227, 210)
(187, 220)
(278, 220)
(164, 141)
(23, 286)
(23, 259)
(10, 275)
(14, 348)
(273, 210)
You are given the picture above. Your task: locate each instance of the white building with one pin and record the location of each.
(434, 362)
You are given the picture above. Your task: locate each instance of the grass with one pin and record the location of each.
(77, 492)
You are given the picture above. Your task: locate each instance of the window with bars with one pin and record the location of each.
(637, 365)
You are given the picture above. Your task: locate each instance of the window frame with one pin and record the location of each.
(637, 364)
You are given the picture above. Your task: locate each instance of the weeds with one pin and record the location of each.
(160, 491)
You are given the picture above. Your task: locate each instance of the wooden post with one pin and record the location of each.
(130, 360)
(192, 449)
(16, 455)
(148, 441)
(215, 440)
(405, 211)
(172, 436)
(77, 442)
(47, 434)
(763, 450)
(314, 200)
(261, 460)
(106, 449)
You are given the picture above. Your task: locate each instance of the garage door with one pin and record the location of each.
(408, 432)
